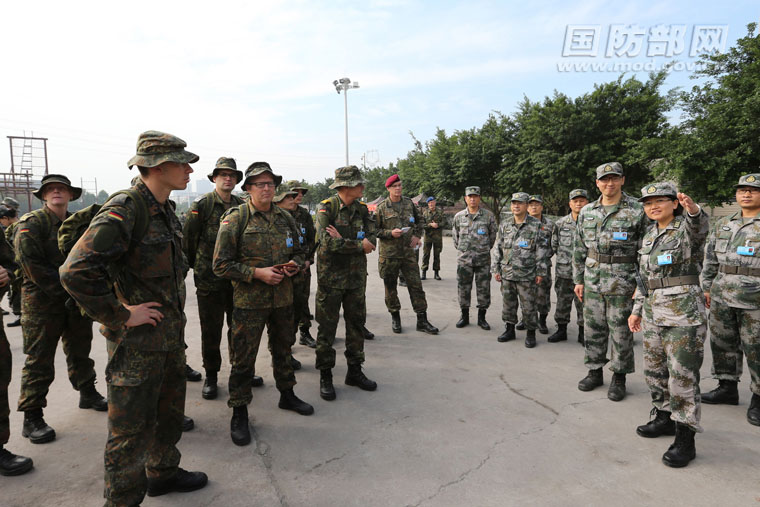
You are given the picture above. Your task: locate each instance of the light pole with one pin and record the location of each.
(345, 84)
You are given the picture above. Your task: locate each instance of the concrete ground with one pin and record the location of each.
(458, 419)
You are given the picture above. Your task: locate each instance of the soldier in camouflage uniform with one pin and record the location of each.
(214, 294)
(731, 283)
(346, 234)
(399, 228)
(670, 308)
(543, 291)
(474, 233)
(10, 464)
(519, 261)
(435, 220)
(9, 221)
(127, 271)
(49, 314)
(257, 248)
(604, 264)
(563, 237)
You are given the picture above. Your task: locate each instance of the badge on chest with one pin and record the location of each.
(746, 250)
(522, 244)
(619, 236)
(481, 231)
(664, 259)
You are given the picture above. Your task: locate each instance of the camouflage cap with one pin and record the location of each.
(57, 178)
(259, 168)
(154, 148)
(296, 185)
(520, 197)
(663, 188)
(282, 195)
(578, 192)
(609, 168)
(7, 211)
(749, 180)
(228, 164)
(473, 190)
(349, 176)
(536, 197)
(11, 203)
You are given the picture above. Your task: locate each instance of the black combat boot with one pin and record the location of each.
(307, 339)
(89, 397)
(256, 381)
(35, 428)
(289, 401)
(616, 391)
(181, 482)
(530, 339)
(560, 335)
(11, 464)
(482, 319)
(437, 276)
(239, 429)
(295, 363)
(725, 394)
(326, 389)
(508, 334)
(581, 337)
(660, 425)
(591, 381)
(368, 335)
(682, 450)
(187, 423)
(15, 323)
(520, 325)
(423, 276)
(356, 377)
(542, 324)
(396, 322)
(464, 319)
(425, 326)
(192, 375)
(753, 413)
(210, 389)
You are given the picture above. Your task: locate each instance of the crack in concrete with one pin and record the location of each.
(262, 449)
(519, 393)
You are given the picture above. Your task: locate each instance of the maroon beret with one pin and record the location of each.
(390, 181)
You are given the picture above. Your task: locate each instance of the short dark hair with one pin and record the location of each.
(144, 171)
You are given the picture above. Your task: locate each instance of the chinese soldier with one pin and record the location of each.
(434, 224)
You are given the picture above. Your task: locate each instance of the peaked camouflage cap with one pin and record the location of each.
(260, 168)
(536, 197)
(473, 190)
(578, 192)
(749, 180)
(296, 186)
(154, 148)
(228, 164)
(348, 176)
(663, 188)
(520, 197)
(11, 203)
(609, 168)
(57, 178)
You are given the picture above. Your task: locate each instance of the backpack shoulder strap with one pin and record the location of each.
(142, 215)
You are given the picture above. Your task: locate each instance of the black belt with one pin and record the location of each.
(739, 270)
(611, 259)
(672, 281)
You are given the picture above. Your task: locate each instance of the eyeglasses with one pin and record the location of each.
(264, 184)
(658, 202)
(613, 178)
(226, 175)
(748, 190)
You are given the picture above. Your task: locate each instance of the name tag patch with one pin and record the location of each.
(745, 250)
(664, 259)
(289, 242)
(360, 235)
(481, 231)
(411, 220)
(620, 236)
(522, 244)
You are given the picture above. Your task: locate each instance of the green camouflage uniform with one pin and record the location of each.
(520, 255)
(267, 239)
(433, 238)
(342, 278)
(6, 261)
(733, 282)
(604, 261)
(395, 254)
(48, 313)
(214, 294)
(673, 314)
(302, 281)
(14, 290)
(474, 236)
(110, 267)
(563, 237)
(543, 291)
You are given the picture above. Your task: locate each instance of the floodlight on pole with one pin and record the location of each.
(344, 84)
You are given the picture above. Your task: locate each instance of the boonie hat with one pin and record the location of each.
(296, 185)
(155, 148)
(349, 176)
(57, 178)
(228, 164)
(259, 168)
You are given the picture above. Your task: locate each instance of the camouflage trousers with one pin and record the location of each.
(563, 288)
(435, 244)
(5, 379)
(544, 296)
(735, 333)
(606, 321)
(672, 359)
(482, 275)
(212, 307)
(328, 303)
(389, 270)
(14, 296)
(247, 328)
(41, 333)
(301, 290)
(525, 292)
(146, 403)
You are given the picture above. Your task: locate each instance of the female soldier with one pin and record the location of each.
(674, 321)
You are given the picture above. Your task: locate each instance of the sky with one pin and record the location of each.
(253, 80)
